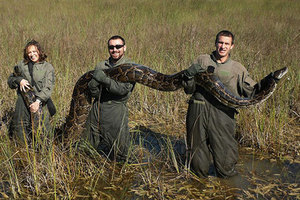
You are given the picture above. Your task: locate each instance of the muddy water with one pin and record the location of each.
(263, 178)
(260, 177)
(269, 169)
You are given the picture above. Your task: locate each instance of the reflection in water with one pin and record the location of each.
(259, 176)
(265, 177)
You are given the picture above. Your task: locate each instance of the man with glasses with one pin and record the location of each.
(107, 124)
(210, 124)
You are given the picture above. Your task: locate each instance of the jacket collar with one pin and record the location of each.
(213, 57)
(120, 61)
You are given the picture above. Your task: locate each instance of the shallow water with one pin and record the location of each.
(266, 178)
(259, 177)
(286, 171)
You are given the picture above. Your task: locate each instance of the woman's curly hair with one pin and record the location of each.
(42, 54)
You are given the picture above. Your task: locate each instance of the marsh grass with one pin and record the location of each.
(166, 36)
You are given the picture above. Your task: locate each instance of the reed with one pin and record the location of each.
(166, 36)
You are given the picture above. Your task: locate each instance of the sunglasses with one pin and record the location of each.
(118, 46)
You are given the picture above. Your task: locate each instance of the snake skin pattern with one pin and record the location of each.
(81, 99)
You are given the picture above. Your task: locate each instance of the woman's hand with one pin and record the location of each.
(34, 107)
(24, 84)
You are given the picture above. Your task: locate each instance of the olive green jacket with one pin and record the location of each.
(232, 74)
(113, 90)
(43, 75)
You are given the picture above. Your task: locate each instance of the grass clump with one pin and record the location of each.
(166, 36)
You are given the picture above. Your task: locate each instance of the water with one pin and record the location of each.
(260, 177)
(266, 178)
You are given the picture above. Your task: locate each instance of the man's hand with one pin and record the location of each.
(193, 70)
(99, 75)
(93, 86)
(24, 84)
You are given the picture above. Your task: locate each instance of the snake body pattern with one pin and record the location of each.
(29, 98)
(81, 99)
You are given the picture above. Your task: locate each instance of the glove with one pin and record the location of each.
(94, 90)
(192, 70)
(189, 86)
(99, 75)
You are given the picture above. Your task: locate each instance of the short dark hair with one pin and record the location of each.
(42, 55)
(225, 33)
(115, 37)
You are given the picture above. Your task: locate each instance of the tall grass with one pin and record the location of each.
(166, 36)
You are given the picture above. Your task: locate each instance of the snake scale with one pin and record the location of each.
(81, 100)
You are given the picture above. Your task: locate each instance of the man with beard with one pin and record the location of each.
(107, 124)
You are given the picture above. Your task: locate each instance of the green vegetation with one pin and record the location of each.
(166, 36)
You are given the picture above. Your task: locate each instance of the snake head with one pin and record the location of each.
(17, 71)
(278, 74)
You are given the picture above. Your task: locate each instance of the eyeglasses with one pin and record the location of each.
(118, 46)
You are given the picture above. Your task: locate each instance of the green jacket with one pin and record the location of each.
(232, 74)
(43, 75)
(113, 90)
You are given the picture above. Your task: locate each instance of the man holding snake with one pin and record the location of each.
(210, 124)
(107, 124)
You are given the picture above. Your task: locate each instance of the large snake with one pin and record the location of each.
(81, 99)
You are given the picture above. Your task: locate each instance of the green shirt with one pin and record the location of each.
(113, 90)
(232, 74)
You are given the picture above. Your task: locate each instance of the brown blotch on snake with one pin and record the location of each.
(81, 99)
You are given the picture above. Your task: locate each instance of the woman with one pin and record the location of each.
(33, 72)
